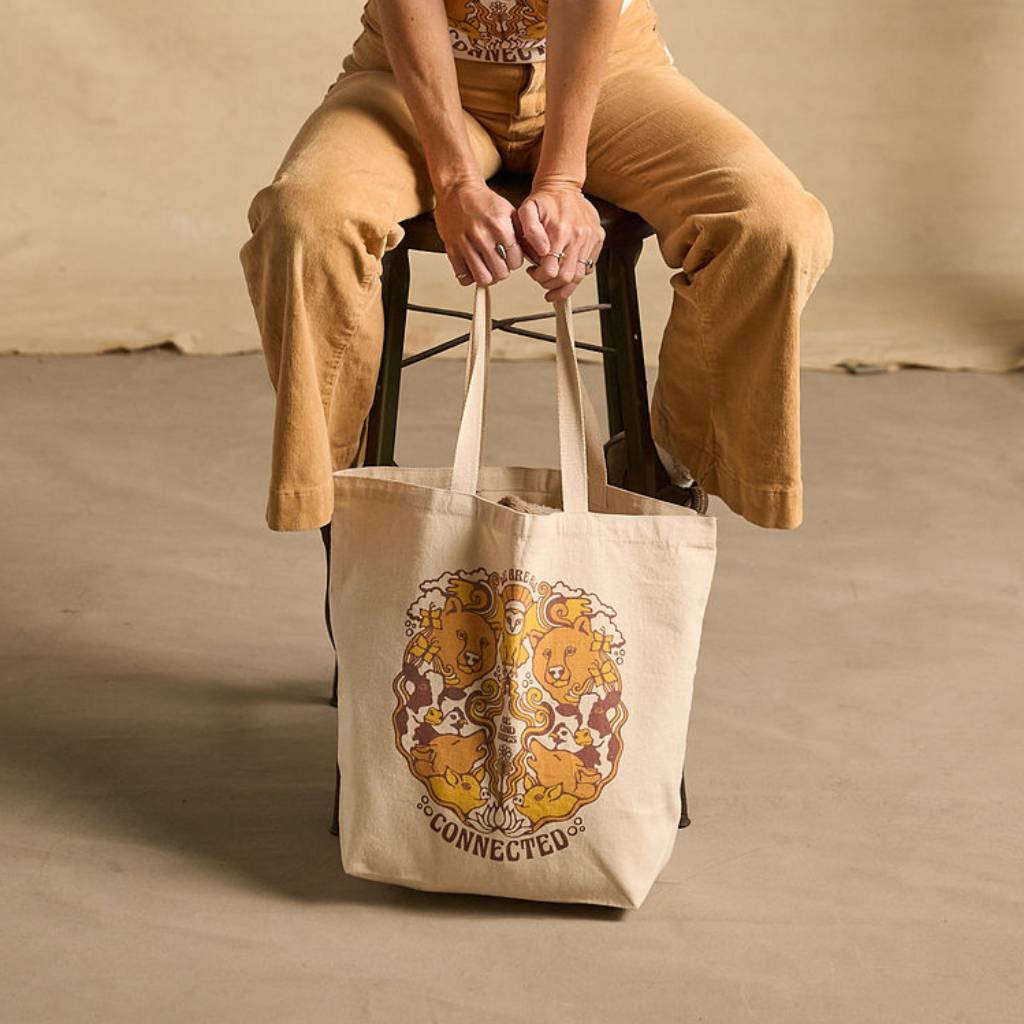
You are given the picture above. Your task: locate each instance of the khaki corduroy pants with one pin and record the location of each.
(748, 243)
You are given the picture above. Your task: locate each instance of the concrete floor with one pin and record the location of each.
(166, 750)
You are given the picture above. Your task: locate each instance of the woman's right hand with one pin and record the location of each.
(472, 221)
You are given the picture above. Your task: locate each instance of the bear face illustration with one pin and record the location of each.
(564, 662)
(466, 645)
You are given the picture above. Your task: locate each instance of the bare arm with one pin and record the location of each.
(471, 219)
(556, 217)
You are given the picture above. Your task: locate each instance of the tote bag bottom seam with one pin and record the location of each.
(445, 890)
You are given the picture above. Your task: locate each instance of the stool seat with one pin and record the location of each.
(620, 226)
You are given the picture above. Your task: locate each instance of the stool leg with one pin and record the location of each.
(382, 422)
(611, 328)
(629, 415)
(325, 536)
(325, 533)
(337, 795)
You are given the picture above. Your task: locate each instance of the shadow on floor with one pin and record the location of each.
(232, 774)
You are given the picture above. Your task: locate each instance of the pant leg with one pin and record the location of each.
(749, 244)
(313, 268)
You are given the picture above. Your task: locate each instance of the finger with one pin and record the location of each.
(568, 266)
(486, 249)
(462, 272)
(564, 283)
(594, 253)
(545, 273)
(584, 261)
(524, 247)
(477, 267)
(513, 254)
(496, 237)
(562, 291)
(554, 265)
(532, 235)
(581, 269)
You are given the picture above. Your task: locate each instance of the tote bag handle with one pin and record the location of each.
(581, 453)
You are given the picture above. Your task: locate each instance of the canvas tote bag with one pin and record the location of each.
(515, 684)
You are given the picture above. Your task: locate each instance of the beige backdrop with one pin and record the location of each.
(137, 131)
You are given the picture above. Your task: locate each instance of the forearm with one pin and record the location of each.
(416, 37)
(579, 38)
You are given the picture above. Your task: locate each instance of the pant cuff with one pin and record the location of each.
(773, 505)
(779, 508)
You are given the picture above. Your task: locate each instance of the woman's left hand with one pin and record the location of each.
(558, 219)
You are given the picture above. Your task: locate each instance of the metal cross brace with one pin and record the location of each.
(506, 324)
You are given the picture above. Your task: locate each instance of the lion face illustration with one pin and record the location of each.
(509, 705)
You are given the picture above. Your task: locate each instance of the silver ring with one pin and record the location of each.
(588, 264)
(502, 252)
(559, 256)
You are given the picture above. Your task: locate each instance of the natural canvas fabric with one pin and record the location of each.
(515, 685)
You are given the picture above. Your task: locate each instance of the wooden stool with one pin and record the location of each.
(630, 454)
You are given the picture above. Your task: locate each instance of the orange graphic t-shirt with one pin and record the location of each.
(503, 31)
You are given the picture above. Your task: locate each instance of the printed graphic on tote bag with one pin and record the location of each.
(509, 705)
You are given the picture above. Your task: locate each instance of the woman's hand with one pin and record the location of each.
(556, 218)
(473, 221)
(559, 219)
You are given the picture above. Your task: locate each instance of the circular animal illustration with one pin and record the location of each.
(509, 699)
